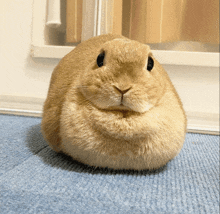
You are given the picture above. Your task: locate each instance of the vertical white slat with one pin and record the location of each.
(89, 19)
(105, 17)
(99, 17)
(95, 18)
(53, 13)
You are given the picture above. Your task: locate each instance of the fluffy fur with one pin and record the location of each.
(86, 117)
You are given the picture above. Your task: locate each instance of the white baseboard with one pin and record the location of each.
(205, 123)
(20, 105)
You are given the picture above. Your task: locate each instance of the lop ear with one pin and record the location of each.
(50, 127)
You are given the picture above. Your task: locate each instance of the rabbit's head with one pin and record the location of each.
(123, 76)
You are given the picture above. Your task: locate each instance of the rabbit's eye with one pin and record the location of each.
(100, 59)
(150, 63)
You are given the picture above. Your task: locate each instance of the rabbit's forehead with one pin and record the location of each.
(126, 50)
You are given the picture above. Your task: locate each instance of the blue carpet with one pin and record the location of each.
(34, 179)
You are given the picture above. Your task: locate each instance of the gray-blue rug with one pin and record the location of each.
(35, 179)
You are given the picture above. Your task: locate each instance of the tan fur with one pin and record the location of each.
(83, 118)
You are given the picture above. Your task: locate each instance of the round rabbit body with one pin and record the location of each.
(111, 104)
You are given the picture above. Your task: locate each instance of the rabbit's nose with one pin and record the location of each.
(122, 91)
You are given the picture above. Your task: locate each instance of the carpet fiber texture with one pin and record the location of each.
(35, 179)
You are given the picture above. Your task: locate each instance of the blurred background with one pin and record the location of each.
(183, 34)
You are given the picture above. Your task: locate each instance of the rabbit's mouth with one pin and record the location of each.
(126, 114)
(123, 111)
(120, 107)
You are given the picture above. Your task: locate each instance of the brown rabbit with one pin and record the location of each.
(111, 104)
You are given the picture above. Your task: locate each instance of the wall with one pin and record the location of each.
(20, 74)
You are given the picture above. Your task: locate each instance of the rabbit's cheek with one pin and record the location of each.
(90, 91)
(137, 104)
(105, 99)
